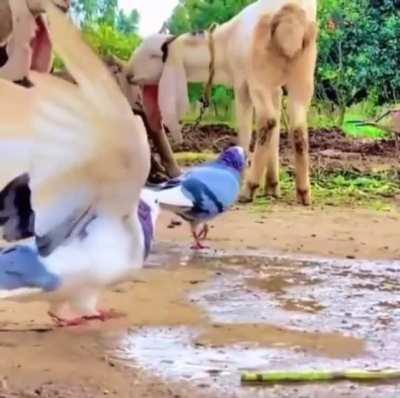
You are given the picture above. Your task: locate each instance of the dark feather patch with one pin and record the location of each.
(3, 55)
(24, 82)
(16, 214)
(197, 189)
(75, 224)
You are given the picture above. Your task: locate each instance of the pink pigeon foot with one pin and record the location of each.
(199, 237)
(61, 322)
(197, 243)
(202, 235)
(104, 315)
(199, 246)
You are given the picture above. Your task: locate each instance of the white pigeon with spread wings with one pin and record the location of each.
(90, 161)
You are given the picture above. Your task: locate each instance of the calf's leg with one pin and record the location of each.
(268, 116)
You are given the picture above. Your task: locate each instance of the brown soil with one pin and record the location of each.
(215, 137)
(79, 362)
(36, 361)
(330, 149)
(323, 232)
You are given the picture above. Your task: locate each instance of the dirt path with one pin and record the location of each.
(194, 323)
(327, 232)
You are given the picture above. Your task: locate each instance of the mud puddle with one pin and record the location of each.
(194, 322)
(264, 313)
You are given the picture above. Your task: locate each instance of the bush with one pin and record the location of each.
(359, 51)
(107, 40)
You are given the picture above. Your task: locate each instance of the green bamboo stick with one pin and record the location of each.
(316, 376)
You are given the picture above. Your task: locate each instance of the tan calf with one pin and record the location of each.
(283, 54)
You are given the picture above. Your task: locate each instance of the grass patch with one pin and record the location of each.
(374, 190)
(363, 111)
(186, 159)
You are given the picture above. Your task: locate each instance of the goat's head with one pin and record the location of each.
(157, 67)
(118, 68)
(147, 62)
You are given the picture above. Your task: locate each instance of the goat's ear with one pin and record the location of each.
(173, 96)
(265, 29)
(310, 34)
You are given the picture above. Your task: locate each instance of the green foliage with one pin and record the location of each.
(330, 188)
(86, 11)
(106, 27)
(359, 51)
(369, 190)
(196, 15)
(107, 40)
(187, 159)
(128, 24)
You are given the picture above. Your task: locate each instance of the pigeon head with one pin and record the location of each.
(234, 157)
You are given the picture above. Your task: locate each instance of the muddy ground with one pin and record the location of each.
(287, 288)
(329, 149)
(290, 289)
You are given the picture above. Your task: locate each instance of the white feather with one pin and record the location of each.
(174, 198)
(87, 138)
(14, 294)
(89, 150)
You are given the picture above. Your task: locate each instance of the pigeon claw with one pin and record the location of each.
(199, 237)
(103, 316)
(199, 246)
(202, 235)
(62, 323)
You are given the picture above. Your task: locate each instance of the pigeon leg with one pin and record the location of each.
(61, 322)
(197, 239)
(203, 232)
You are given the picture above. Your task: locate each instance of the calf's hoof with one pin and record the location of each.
(247, 195)
(273, 190)
(304, 197)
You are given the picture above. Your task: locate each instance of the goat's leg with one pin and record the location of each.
(272, 187)
(267, 127)
(244, 115)
(163, 146)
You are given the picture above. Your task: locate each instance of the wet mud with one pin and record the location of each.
(194, 322)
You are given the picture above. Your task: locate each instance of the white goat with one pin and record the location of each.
(24, 39)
